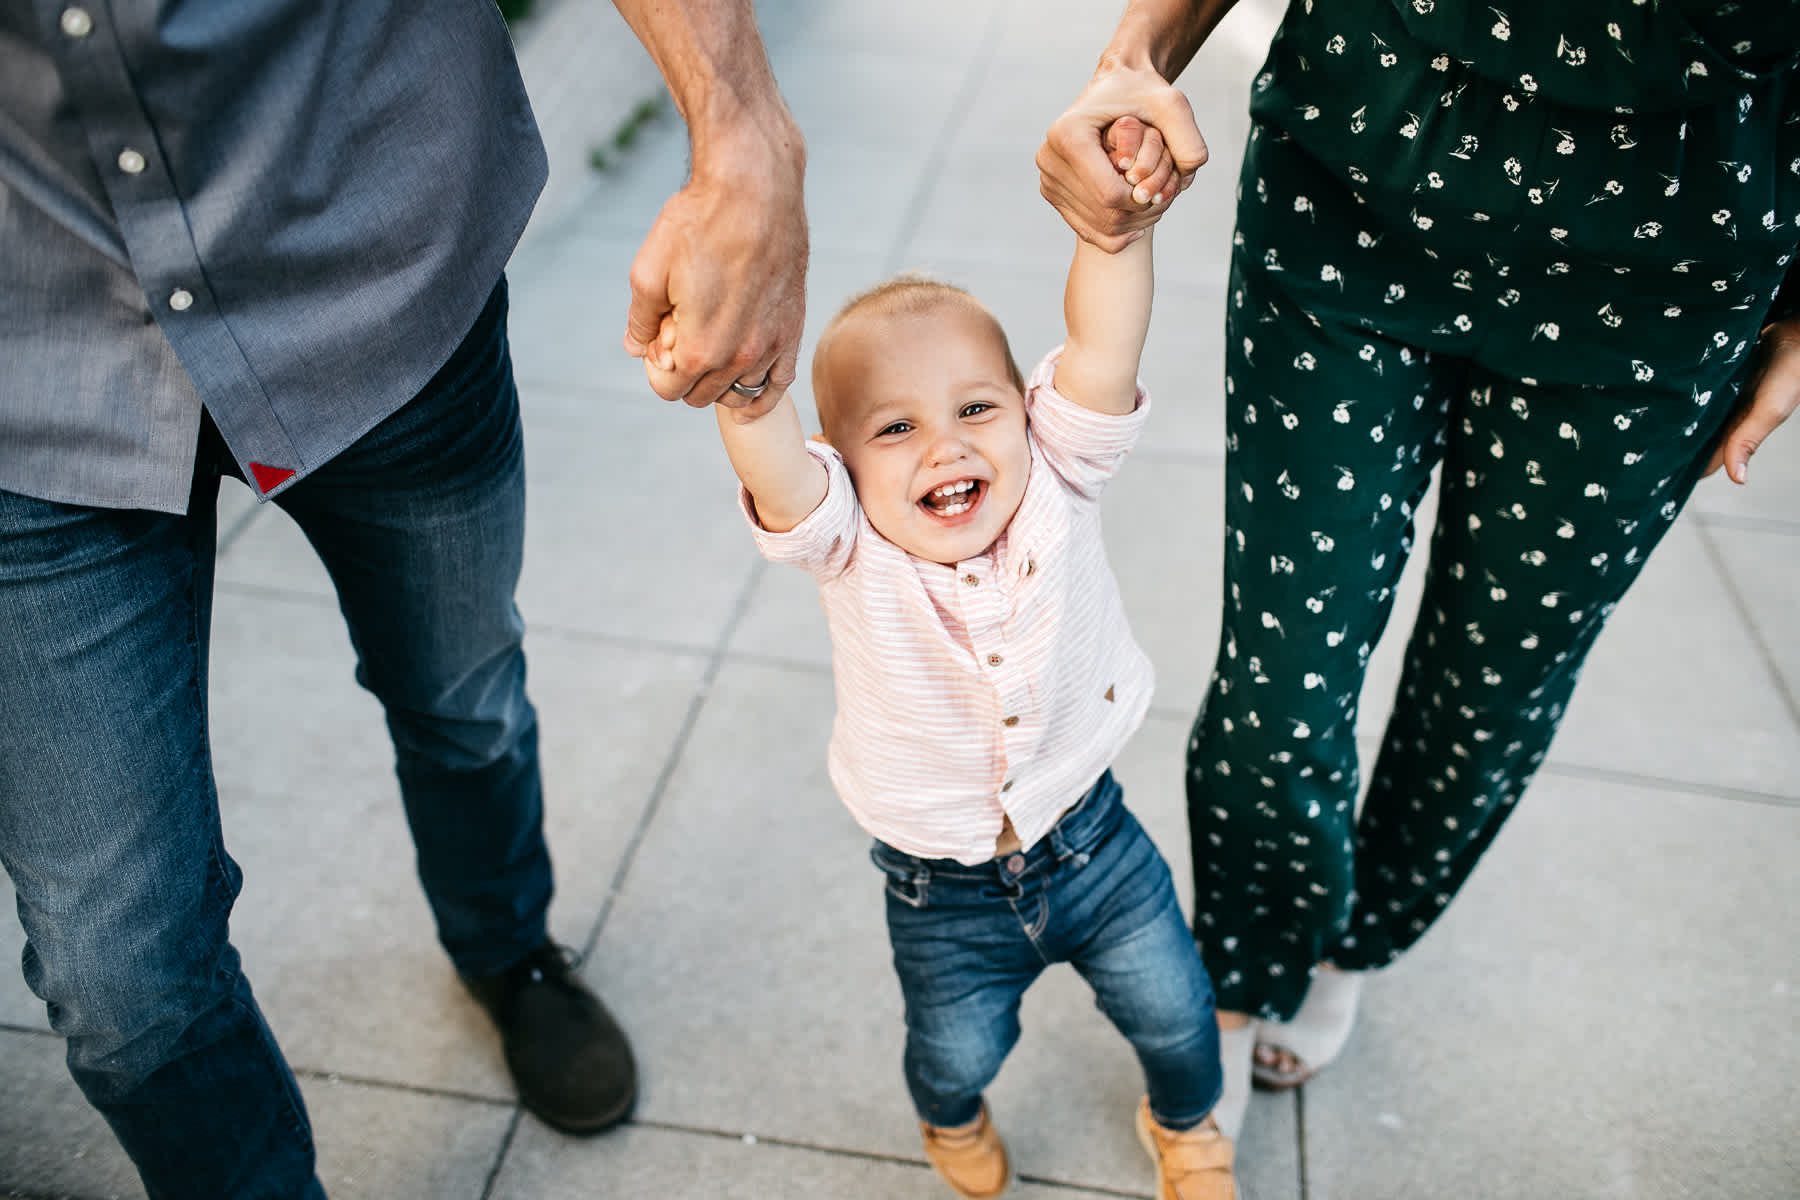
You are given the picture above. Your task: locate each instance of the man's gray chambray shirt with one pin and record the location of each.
(288, 211)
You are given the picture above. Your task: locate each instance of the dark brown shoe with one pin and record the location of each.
(568, 1057)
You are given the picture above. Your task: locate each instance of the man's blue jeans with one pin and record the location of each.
(1094, 893)
(109, 820)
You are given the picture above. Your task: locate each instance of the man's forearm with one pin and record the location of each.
(711, 55)
(1163, 34)
(724, 264)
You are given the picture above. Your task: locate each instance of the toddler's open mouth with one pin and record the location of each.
(953, 499)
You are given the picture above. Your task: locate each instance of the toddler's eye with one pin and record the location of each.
(976, 408)
(896, 427)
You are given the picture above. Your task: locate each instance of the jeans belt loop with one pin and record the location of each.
(1059, 836)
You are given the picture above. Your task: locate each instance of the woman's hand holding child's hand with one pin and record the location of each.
(1121, 105)
(1141, 156)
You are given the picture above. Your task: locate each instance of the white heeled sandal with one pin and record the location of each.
(1315, 1036)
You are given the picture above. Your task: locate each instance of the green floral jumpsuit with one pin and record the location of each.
(1534, 243)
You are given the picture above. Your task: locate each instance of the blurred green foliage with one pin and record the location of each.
(626, 134)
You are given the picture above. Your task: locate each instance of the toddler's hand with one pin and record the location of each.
(1137, 150)
(659, 361)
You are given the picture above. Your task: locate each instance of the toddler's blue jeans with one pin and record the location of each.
(1094, 893)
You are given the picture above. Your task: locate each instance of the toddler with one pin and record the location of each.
(985, 679)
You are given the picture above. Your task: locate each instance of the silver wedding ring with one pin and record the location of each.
(751, 391)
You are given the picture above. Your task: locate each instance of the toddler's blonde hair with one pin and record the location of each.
(907, 294)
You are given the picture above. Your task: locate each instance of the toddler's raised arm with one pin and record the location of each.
(769, 454)
(1107, 308)
(1106, 304)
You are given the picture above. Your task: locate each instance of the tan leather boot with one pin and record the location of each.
(1191, 1164)
(971, 1158)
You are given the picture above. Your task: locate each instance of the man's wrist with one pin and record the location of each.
(737, 138)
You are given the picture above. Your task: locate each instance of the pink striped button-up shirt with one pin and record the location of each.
(999, 687)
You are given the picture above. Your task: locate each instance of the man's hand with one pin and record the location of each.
(720, 282)
(1077, 164)
(1774, 393)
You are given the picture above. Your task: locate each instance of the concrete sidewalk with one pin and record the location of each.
(1609, 1010)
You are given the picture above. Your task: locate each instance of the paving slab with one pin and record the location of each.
(332, 923)
(1675, 687)
(1606, 1011)
(567, 318)
(377, 1142)
(926, 28)
(860, 200)
(960, 218)
(620, 545)
(1762, 568)
(1168, 568)
(882, 96)
(660, 1160)
(586, 74)
(52, 1142)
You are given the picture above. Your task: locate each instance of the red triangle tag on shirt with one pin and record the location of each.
(269, 478)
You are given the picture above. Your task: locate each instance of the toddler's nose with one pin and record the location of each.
(948, 448)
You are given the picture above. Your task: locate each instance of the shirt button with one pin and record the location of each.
(971, 580)
(130, 161)
(181, 299)
(1007, 786)
(1009, 722)
(1031, 566)
(76, 22)
(1016, 863)
(995, 660)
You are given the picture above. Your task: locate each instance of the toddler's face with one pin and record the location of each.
(931, 427)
